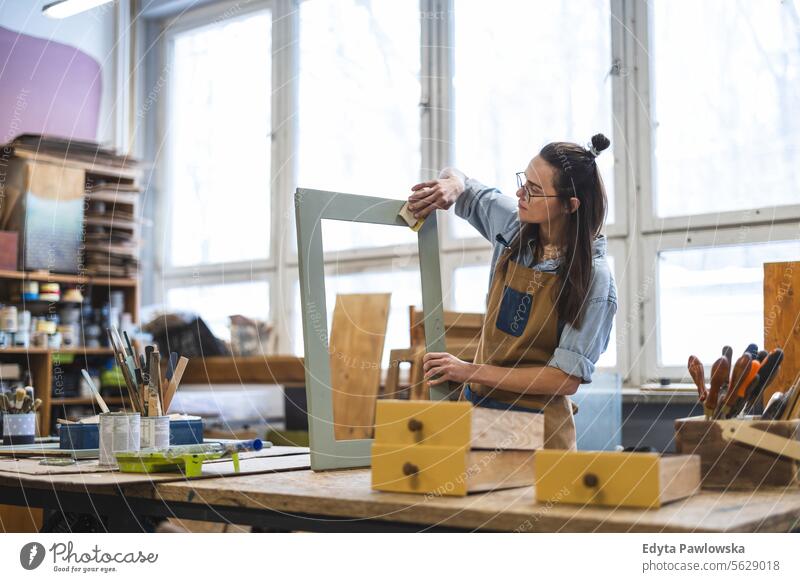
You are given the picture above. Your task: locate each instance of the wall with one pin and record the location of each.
(92, 33)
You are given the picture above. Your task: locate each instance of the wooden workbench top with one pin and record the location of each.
(348, 494)
(87, 476)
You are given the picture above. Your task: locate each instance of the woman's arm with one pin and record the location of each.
(532, 380)
(485, 208)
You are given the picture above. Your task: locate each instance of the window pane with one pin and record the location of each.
(470, 286)
(359, 92)
(528, 73)
(404, 285)
(219, 142)
(725, 105)
(711, 297)
(214, 303)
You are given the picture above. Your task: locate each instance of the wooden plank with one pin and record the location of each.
(506, 429)
(68, 279)
(15, 519)
(348, 494)
(245, 369)
(782, 321)
(357, 336)
(88, 476)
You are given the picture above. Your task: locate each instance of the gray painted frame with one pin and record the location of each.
(311, 207)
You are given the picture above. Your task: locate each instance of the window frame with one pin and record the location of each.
(722, 237)
(634, 238)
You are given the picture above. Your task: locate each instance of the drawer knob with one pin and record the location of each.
(410, 469)
(590, 480)
(414, 425)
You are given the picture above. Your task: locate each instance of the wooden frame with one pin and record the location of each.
(311, 207)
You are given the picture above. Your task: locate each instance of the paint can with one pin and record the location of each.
(8, 319)
(50, 292)
(19, 429)
(24, 321)
(30, 290)
(119, 431)
(155, 432)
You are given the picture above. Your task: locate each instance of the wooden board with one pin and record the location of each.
(89, 477)
(782, 320)
(348, 494)
(448, 470)
(15, 519)
(245, 369)
(356, 349)
(458, 424)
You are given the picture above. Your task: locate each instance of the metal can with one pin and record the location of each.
(119, 431)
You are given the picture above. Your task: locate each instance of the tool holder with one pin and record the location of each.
(742, 453)
(743, 432)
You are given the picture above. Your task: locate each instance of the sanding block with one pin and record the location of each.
(414, 223)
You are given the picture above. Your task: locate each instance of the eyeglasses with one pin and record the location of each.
(522, 182)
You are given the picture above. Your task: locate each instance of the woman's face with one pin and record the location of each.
(544, 205)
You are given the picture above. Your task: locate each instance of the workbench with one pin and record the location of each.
(279, 492)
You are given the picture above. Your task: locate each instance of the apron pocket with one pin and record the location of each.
(515, 309)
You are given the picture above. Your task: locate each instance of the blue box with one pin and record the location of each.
(78, 436)
(186, 432)
(87, 436)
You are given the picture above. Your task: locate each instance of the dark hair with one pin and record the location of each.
(576, 176)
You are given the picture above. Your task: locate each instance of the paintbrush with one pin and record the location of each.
(95, 391)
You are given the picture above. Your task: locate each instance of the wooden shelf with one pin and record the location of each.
(78, 351)
(47, 277)
(81, 400)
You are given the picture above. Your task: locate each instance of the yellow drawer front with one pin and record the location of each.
(598, 478)
(419, 469)
(446, 424)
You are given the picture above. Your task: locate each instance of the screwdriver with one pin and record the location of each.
(761, 355)
(719, 377)
(727, 351)
(751, 349)
(698, 374)
(743, 373)
(767, 373)
(749, 382)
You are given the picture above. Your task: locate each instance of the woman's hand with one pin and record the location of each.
(436, 194)
(448, 367)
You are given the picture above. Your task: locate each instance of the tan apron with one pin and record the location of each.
(520, 330)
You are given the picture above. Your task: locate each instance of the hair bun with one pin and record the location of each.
(599, 143)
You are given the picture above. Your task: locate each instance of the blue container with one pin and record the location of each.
(87, 436)
(186, 432)
(78, 436)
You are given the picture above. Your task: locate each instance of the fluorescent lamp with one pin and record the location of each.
(67, 8)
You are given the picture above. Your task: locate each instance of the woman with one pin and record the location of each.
(551, 298)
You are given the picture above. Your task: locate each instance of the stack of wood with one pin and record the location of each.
(112, 229)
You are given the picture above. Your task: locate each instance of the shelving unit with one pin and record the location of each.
(116, 184)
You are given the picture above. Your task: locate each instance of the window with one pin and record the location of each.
(218, 149)
(219, 142)
(404, 285)
(725, 103)
(470, 286)
(699, 99)
(359, 87)
(520, 83)
(713, 296)
(213, 302)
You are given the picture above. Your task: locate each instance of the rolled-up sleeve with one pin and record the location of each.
(487, 209)
(579, 349)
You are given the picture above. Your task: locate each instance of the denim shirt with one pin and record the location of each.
(493, 213)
